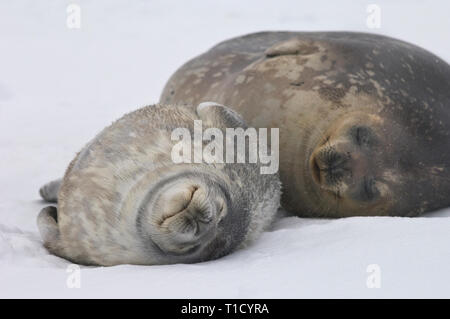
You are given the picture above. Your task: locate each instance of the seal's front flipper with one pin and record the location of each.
(294, 46)
(220, 115)
(49, 192)
(47, 223)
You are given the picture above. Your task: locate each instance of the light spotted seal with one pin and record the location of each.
(364, 119)
(124, 201)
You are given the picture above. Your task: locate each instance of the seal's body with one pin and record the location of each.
(364, 119)
(124, 200)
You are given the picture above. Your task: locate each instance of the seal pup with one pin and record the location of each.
(124, 201)
(364, 119)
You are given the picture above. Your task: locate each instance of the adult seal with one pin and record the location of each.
(124, 200)
(364, 119)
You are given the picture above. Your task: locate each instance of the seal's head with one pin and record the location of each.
(367, 164)
(351, 167)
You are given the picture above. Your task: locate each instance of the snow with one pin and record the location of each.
(60, 86)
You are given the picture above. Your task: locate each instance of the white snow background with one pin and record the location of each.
(60, 86)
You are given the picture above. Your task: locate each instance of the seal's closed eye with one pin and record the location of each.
(369, 191)
(362, 135)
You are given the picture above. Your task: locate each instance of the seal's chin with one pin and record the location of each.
(313, 165)
(314, 169)
(316, 176)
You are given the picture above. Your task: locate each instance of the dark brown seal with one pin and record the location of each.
(364, 119)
